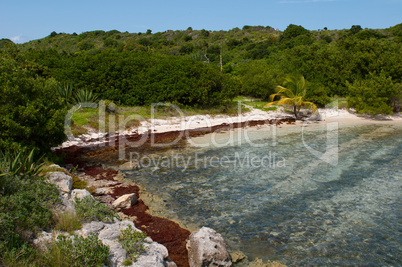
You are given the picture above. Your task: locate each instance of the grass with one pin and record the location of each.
(130, 117)
(66, 221)
(256, 103)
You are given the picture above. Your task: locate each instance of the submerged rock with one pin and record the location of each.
(206, 247)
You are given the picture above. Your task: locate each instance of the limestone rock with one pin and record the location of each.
(109, 236)
(62, 180)
(103, 191)
(125, 201)
(80, 194)
(206, 247)
(89, 228)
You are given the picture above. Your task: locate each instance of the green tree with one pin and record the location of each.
(32, 114)
(294, 95)
(373, 95)
(258, 79)
(355, 29)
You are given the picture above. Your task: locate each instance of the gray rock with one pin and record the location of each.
(67, 203)
(89, 228)
(62, 180)
(206, 247)
(103, 190)
(109, 236)
(80, 194)
(125, 201)
(155, 255)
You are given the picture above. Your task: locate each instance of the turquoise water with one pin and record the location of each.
(296, 209)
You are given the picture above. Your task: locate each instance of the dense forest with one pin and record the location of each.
(191, 68)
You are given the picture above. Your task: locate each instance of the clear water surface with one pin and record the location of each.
(295, 209)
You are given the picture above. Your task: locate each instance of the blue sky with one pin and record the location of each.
(24, 20)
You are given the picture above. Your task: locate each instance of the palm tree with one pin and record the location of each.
(293, 94)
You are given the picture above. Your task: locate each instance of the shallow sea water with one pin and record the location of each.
(273, 199)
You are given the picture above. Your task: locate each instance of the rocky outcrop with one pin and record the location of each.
(125, 201)
(80, 194)
(62, 180)
(206, 247)
(154, 254)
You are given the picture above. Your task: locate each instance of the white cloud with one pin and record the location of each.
(18, 39)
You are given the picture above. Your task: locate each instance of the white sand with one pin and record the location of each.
(202, 121)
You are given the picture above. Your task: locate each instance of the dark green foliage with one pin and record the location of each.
(355, 29)
(258, 79)
(110, 43)
(330, 58)
(373, 95)
(131, 78)
(188, 38)
(77, 251)
(317, 93)
(293, 31)
(369, 33)
(204, 33)
(86, 46)
(32, 115)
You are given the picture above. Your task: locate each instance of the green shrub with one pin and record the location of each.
(133, 242)
(31, 111)
(89, 209)
(77, 251)
(25, 207)
(373, 95)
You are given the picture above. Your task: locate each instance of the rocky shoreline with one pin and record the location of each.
(110, 184)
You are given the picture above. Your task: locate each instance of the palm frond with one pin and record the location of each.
(310, 105)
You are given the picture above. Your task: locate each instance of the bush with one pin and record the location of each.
(32, 114)
(258, 79)
(373, 95)
(133, 242)
(25, 207)
(77, 251)
(89, 209)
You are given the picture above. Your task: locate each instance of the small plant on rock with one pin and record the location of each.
(133, 242)
(89, 209)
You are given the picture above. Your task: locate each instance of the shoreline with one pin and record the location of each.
(149, 218)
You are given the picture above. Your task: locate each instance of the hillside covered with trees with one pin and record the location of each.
(184, 68)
